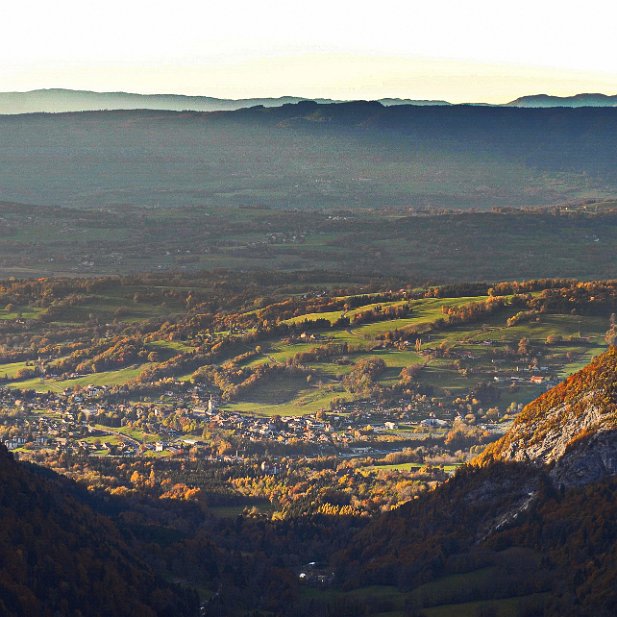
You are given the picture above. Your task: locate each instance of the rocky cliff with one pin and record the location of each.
(571, 430)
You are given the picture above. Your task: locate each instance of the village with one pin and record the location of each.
(86, 422)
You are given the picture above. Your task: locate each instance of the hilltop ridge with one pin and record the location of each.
(62, 100)
(348, 155)
(587, 99)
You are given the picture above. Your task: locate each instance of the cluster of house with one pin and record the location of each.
(256, 428)
(60, 421)
(65, 421)
(338, 428)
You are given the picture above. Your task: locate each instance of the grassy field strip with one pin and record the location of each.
(11, 369)
(332, 316)
(406, 467)
(24, 312)
(104, 378)
(440, 595)
(506, 607)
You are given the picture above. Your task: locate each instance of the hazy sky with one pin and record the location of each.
(460, 50)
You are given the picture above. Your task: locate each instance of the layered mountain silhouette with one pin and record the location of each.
(61, 100)
(59, 557)
(537, 510)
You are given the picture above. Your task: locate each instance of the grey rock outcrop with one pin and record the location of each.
(588, 460)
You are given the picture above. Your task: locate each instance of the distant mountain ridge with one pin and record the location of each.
(578, 100)
(61, 100)
(311, 155)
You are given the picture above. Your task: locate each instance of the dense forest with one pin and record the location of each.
(59, 557)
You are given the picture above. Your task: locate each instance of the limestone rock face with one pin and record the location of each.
(589, 460)
(557, 430)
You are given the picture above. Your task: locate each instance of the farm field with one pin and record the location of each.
(104, 378)
(405, 467)
(438, 598)
(580, 338)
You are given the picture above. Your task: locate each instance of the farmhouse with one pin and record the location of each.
(433, 422)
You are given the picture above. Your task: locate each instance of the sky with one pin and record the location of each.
(458, 50)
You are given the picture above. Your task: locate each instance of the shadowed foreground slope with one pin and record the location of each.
(57, 557)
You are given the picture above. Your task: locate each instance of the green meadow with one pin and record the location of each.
(578, 339)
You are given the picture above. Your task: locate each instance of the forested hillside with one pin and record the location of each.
(311, 156)
(60, 558)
